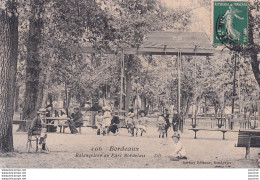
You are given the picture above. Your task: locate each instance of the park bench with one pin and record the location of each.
(248, 139)
(16, 121)
(62, 127)
(195, 130)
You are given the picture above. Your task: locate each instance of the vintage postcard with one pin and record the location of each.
(129, 84)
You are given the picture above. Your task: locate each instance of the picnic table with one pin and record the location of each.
(50, 122)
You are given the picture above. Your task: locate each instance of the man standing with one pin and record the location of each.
(176, 119)
(39, 127)
(76, 121)
(166, 116)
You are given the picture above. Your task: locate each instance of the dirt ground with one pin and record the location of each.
(87, 150)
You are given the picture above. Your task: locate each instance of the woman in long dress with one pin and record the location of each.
(229, 16)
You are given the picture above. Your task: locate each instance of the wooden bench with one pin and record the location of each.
(62, 127)
(16, 121)
(248, 139)
(220, 130)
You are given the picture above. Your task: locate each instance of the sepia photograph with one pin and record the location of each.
(129, 84)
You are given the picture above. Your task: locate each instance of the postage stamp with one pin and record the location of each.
(230, 21)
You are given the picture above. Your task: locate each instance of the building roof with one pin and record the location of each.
(167, 43)
(170, 43)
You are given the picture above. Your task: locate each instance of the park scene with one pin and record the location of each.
(129, 84)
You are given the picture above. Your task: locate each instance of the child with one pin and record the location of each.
(99, 120)
(161, 126)
(141, 123)
(106, 120)
(130, 123)
(179, 151)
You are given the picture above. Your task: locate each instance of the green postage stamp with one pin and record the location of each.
(230, 22)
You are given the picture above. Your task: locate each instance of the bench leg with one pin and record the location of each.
(36, 144)
(223, 135)
(29, 145)
(247, 152)
(195, 137)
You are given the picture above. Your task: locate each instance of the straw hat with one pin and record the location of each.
(130, 115)
(42, 111)
(176, 135)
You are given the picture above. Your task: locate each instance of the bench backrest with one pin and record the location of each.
(248, 137)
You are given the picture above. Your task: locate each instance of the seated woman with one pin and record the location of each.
(76, 121)
(114, 123)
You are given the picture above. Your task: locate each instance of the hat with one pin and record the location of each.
(100, 110)
(130, 115)
(176, 135)
(41, 111)
(116, 112)
(142, 111)
(48, 106)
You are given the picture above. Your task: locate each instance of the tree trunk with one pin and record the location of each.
(187, 105)
(40, 90)
(8, 68)
(143, 102)
(16, 101)
(45, 87)
(255, 65)
(33, 68)
(253, 52)
(128, 83)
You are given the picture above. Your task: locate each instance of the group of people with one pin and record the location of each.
(39, 125)
(163, 123)
(107, 122)
(136, 126)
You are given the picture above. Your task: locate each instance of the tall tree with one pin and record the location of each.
(253, 37)
(33, 68)
(8, 68)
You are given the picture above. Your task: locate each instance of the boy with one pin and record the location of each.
(179, 151)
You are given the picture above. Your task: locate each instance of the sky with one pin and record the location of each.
(201, 15)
